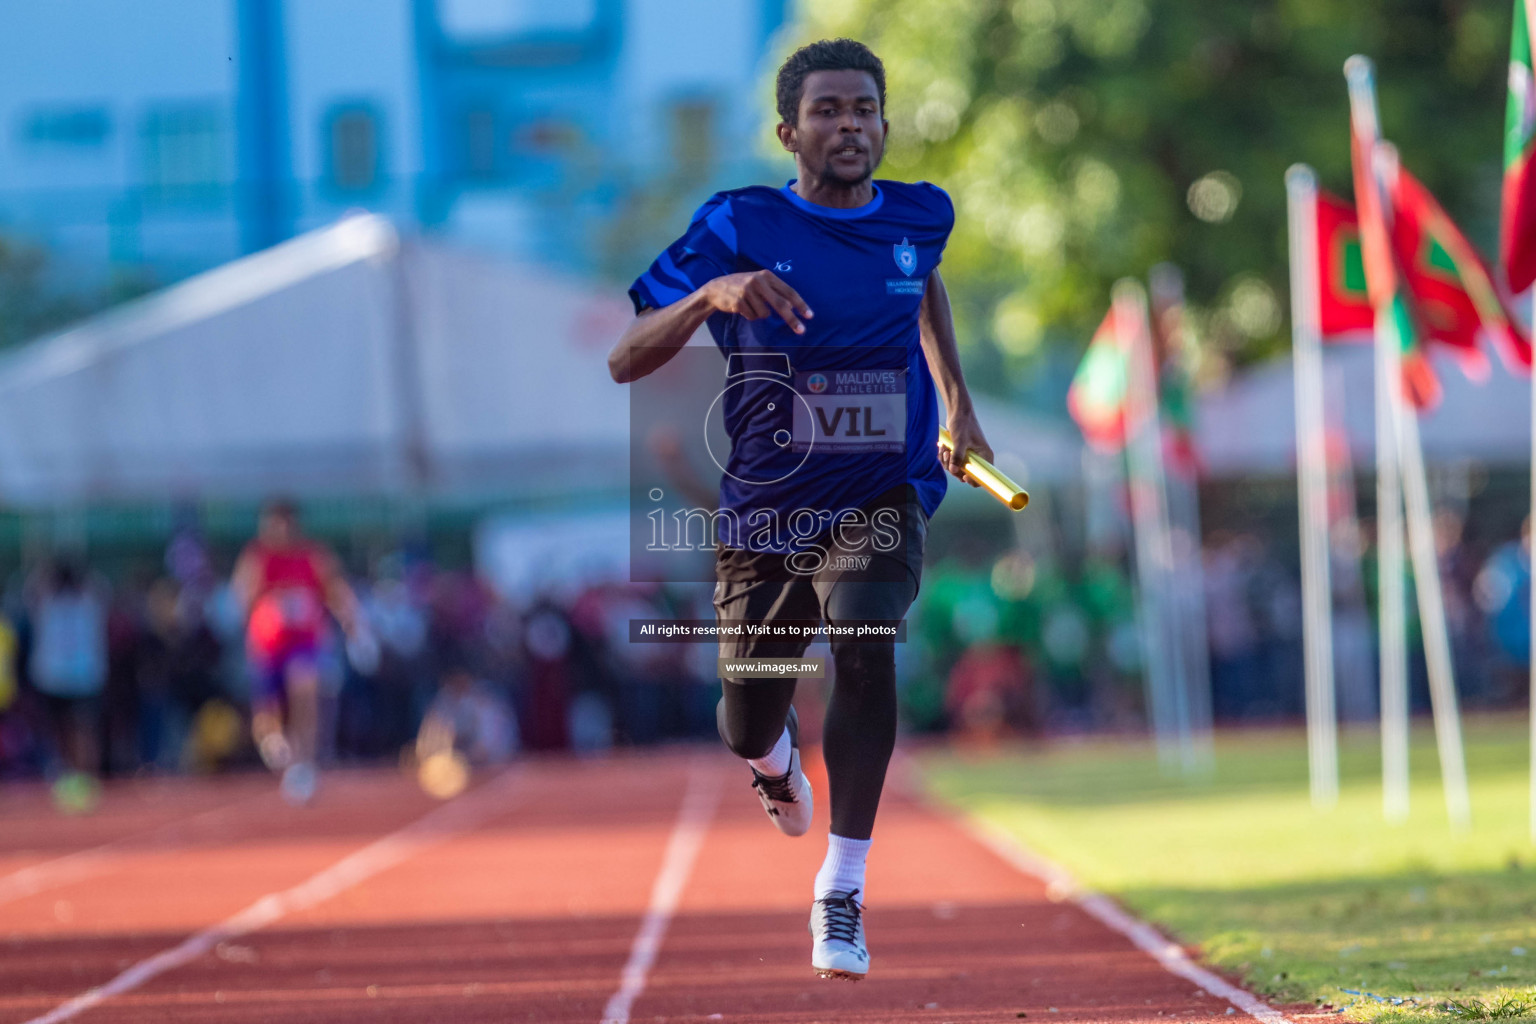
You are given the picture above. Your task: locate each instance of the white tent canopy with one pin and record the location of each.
(343, 361)
(1249, 427)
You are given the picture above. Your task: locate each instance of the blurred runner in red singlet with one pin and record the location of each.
(286, 583)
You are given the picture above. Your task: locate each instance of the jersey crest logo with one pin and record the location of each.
(906, 257)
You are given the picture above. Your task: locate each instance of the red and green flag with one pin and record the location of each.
(1393, 324)
(1454, 298)
(1097, 398)
(1517, 228)
(1174, 357)
(1344, 302)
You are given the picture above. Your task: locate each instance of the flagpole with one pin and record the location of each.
(1390, 584)
(1170, 619)
(1187, 569)
(1155, 675)
(1392, 611)
(1346, 562)
(1312, 477)
(1426, 577)
(1152, 671)
(1143, 463)
(1531, 568)
(1530, 327)
(1522, 48)
(1437, 648)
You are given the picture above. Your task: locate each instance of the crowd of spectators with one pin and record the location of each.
(123, 676)
(1021, 644)
(149, 673)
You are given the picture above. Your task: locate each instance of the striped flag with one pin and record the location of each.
(1344, 303)
(1517, 228)
(1097, 397)
(1454, 298)
(1174, 356)
(1393, 324)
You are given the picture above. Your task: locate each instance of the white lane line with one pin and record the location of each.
(73, 867)
(436, 826)
(693, 819)
(1060, 885)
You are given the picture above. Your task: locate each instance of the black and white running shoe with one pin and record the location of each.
(837, 933)
(787, 798)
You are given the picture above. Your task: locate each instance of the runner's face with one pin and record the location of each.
(277, 529)
(839, 137)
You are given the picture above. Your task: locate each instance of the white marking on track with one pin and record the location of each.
(693, 819)
(436, 826)
(1060, 885)
(82, 864)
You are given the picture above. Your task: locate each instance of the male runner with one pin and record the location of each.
(285, 583)
(836, 271)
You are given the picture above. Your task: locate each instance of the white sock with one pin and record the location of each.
(843, 870)
(776, 761)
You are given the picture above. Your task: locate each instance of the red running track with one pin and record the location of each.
(522, 900)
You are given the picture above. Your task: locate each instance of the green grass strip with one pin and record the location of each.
(1401, 923)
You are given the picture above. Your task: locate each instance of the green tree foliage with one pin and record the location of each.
(1085, 140)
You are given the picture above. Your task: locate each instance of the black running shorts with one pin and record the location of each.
(865, 570)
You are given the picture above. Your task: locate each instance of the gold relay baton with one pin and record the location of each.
(989, 476)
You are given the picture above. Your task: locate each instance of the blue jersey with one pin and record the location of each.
(863, 416)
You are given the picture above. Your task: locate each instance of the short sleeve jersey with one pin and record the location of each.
(862, 271)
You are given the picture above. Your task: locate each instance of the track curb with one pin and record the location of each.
(1060, 886)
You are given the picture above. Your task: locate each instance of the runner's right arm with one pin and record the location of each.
(245, 581)
(656, 335)
(340, 598)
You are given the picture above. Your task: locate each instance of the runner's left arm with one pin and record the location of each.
(937, 327)
(245, 581)
(339, 596)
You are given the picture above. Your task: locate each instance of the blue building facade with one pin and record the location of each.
(167, 136)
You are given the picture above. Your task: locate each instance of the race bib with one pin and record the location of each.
(851, 411)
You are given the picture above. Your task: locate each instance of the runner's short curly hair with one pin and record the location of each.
(824, 55)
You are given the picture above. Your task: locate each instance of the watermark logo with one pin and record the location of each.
(770, 452)
(811, 539)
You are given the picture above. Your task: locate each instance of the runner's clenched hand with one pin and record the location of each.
(757, 294)
(965, 431)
